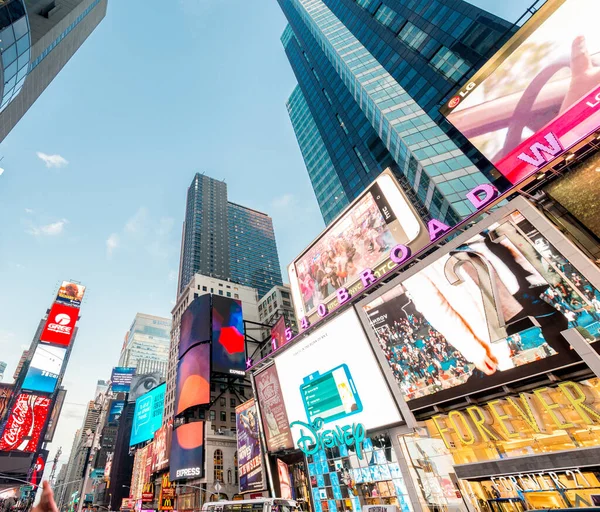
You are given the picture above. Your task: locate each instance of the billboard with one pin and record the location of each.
(359, 238)
(167, 494)
(121, 378)
(162, 447)
(143, 383)
(278, 337)
(539, 95)
(70, 294)
(276, 425)
(44, 369)
(37, 471)
(148, 415)
(5, 394)
(487, 312)
(187, 452)
(115, 411)
(193, 378)
(228, 341)
(333, 380)
(60, 325)
(248, 445)
(25, 422)
(55, 415)
(195, 324)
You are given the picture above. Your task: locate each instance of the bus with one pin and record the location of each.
(255, 505)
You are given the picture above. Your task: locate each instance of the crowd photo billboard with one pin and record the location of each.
(187, 452)
(70, 294)
(228, 340)
(121, 378)
(195, 324)
(148, 415)
(60, 325)
(192, 386)
(488, 311)
(25, 423)
(539, 95)
(333, 379)
(44, 369)
(248, 445)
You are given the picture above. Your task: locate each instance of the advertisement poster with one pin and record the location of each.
(5, 394)
(285, 484)
(193, 378)
(248, 445)
(228, 341)
(44, 369)
(60, 325)
(55, 415)
(38, 468)
(195, 324)
(538, 96)
(148, 415)
(488, 312)
(141, 384)
(278, 333)
(360, 238)
(187, 452)
(333, 379)
(121, 379)
(70, 294)
(25, 423)
(115, 411)
(272, 408)
(167, 494)
(162, 447)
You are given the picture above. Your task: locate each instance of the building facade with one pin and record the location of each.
(277, 302)
(38, 38)
(225, 240)
(371, 77)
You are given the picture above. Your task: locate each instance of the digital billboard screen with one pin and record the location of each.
(70, 294)
(193, 378)
(143, 383)
(195, 324)
(115, 411)
(44, 369)
(25, 422)
(488, 312)
(187, 452)
(5, 394)
(333, 378)
(228, 339)
(360, 238)
(38, 468)
(248, 445)
(148, 415)
(55, 415)
(278, 338)
(121, 378)
(162, 447)
(539, 95)
(60, 325)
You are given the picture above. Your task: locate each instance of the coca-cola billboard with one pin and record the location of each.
(25, 423)
(60, 325)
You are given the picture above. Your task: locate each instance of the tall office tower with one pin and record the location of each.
(225, 240)
(146, 345)
(372, 75)
(38, 37)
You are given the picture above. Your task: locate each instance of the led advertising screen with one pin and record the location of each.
(143, 383)
(332, 378)
(121, 378)
(60, 325)
(539, 95)
(195, 324)
(44, 369)
(193, 378)
(278, 338)
(115, 411)
(148, 415)
(360, 238)
(228, 341)
(248, 445)
(276, 425)
(162, 447)
(488, 312)
(187, 452)
(38, 468)
(70, 294)
(25, 422)
(55, 415)
(5, 394)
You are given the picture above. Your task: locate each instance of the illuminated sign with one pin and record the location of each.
(187, 451)
(25, 423)
(167, 494)
(228, 340)
(248, 445)
(70, 294)
(148, 493)
(541, 481)
(44, 369)
(121, 378)
(60, 325)
(314, 438)
(148, 415)
(494, 421)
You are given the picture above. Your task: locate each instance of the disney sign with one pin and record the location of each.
(313, 438)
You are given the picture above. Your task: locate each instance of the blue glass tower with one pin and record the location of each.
(372, 75)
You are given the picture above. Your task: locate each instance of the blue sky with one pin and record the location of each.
(96, 173)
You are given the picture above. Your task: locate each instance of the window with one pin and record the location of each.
(389, 18)
(204, 288)
(213, 387)
(222, 401)
(229, 476)
(232, 417)
(222, 387)
(232, 402)
(213, 415)
(202, 415)
(450, 64)
(223, 416)
(412, 35)
(228, 294)
(218, 466)
(236, 296)
(235, 468)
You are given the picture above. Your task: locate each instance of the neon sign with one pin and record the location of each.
(312, 440)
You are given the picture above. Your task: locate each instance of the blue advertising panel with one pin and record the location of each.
(121, 379)
(44, 369)
(148, 415)
(116, 409)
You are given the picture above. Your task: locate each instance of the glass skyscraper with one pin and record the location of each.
(225, 240)
(372, 75)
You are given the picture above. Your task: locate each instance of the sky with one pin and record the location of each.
(96, 172)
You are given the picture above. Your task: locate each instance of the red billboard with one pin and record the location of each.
(162, 447)
(25, 423)
(60, 325)
(539, 95)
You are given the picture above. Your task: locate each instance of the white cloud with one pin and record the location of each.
(28, 210)
(53, 229)
(112, 242)
(284, 201)
(52, 160)
(173, 275)
(7, 337)
(1, 171)
(136, 224)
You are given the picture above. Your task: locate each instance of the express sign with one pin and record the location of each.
(60, 325)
